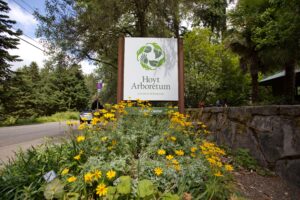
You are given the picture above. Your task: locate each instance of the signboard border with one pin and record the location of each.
(120, 92)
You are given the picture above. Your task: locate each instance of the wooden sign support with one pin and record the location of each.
(180, 73)
(180, 76)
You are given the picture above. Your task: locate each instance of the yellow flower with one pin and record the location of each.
(77, 157)
(101, 189)
(114, 142)
(110, 174)
(218, 174)
(65, 171)
(161, 152)
(212, 161)
(193, 149)
(158, 171)
(88, 177)
(169, 157)
(109, 115)
(82, 126)
(228, 168)
(110, 148)
(80, 138)
(103, 139)
(193, 155)
(173, 138)
(69, 123)
(179, 152)
(97, 174)
(175, 162)
(177, 167)
(71, 179)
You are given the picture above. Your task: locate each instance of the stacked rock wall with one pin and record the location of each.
(271, 133)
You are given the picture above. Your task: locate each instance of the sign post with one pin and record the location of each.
(151, 69)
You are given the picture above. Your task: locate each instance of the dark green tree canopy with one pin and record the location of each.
(8, 40)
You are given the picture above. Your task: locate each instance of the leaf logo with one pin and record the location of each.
(151, 56)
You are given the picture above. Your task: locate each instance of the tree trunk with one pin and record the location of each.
(290, 81)
(141, 12)
(254, 83)
(254, 78)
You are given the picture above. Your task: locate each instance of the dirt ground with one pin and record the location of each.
(256, 187)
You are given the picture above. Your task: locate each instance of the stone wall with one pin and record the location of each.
(272, 133)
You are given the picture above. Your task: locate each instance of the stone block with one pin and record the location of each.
(290, 110)
(263, 110)
(239, 114)
(289, 170)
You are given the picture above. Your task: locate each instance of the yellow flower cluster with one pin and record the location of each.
(179, 120)
(213, 155)
(91, 176)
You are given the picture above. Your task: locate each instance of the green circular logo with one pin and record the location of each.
(151, 56)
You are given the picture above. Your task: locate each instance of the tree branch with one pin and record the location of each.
(100, 61)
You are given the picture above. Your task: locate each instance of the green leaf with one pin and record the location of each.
(72, 196)
(169, 196)
(146, 67)
(145, 188)
(124, 187)
(157, 53)
(153, 63)
(112, 193)
(156, 46)
(54, 190)
(139, 52)
(161, 61)
(147, 49)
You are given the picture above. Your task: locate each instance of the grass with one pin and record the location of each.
(57, 117)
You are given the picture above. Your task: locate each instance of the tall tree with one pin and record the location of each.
(278, 33)
(8, 40)
(243, 21)
(210, 14)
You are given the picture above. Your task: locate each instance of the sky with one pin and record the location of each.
(21, 11)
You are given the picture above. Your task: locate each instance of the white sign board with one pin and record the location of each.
(151, 69)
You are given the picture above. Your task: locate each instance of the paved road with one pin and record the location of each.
(15, 137)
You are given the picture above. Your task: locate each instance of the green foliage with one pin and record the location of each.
(243, 158)
(54, 190)
(211, 71)
(124, 187)
(57, 117)
(58, 87)
(8, 41)
(145, 188)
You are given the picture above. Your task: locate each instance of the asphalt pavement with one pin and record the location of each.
(15, 137)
